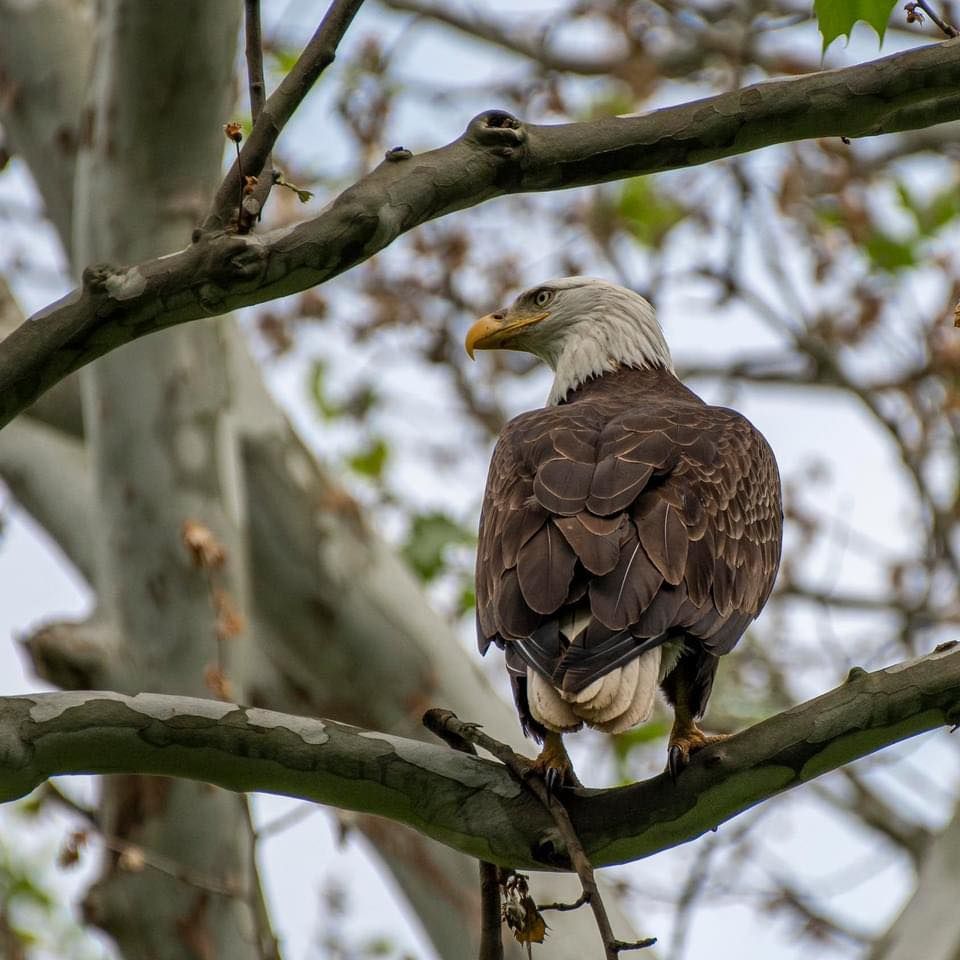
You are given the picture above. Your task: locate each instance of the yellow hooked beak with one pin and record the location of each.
(496, 329)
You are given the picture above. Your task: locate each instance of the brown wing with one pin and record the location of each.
(660, 513)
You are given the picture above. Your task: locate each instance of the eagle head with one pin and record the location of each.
(582, 327)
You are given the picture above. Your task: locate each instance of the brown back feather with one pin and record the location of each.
(660, 511)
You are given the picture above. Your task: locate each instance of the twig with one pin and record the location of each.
(318, 54)
(51, 791)
(521, 768)
(690, 893)
(815, 921)
(134, 857)
(254, 54)
(524, 43)
(911, 8)
(258, 93)
(241, 178)
(286, 820)
(491, 938)
(561, 907)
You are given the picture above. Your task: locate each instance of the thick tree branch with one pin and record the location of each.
(35, 459)
(470, 804)
(497, 155)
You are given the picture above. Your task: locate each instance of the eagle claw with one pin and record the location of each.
(676, 761)
(684, 745)
(553, 778)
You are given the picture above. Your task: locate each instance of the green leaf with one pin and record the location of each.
(370, 461)
(624, 743)
(646, 213)
(428, 539)
(933, 216)
(837, 17)
(889, 254)
(283, 60)
(378, 947)
(613, 104)
(468, 598)
(357, 404)
(328, 408)
(943, 208)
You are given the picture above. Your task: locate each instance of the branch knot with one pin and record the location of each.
(498, 130)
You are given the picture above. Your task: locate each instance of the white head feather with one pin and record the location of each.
(593, 327)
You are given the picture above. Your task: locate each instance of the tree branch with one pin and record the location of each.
(677, 55)
(470, 804)
(34, 460)
(280, 106)
(253, 49)
(451, 728)
(496, 155)
(930, 915)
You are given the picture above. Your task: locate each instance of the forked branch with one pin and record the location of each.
(280, 106)
(444, 722)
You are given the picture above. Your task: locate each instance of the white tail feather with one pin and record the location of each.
(624, 683)
(587, 693)
(616, 702)
(547, 706)
(644, 696)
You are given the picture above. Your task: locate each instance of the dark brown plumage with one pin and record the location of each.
(630, 532)
(638, 500)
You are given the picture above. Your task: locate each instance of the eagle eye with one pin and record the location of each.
(542, 297)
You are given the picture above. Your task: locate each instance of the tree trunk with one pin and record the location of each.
(156, 418)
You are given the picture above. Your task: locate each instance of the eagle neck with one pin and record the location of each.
(601, 345)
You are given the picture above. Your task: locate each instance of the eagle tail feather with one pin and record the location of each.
(547, 707)
(620, 700)
(644, 696)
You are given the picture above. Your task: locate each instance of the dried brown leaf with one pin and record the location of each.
(218, 683)
(205, 550)
(70, 852)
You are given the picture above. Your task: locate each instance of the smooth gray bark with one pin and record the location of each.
(299, 598)
(929, 924)
(45, 55)
(154, 424)
(302, 526)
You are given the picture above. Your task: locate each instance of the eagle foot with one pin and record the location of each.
(554, 765)
(685, 743)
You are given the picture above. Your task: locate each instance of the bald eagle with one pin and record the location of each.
(629, 532)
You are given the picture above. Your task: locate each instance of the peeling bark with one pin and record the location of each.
(465, 802)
